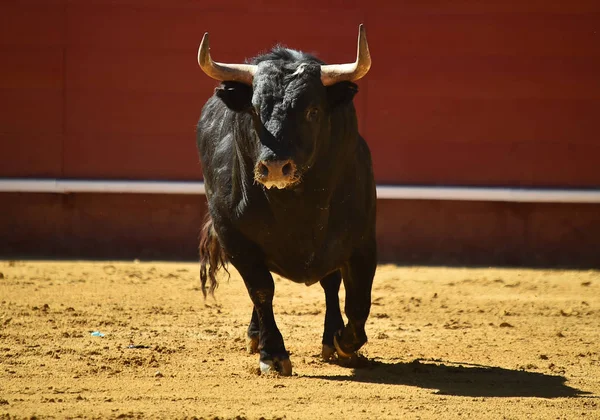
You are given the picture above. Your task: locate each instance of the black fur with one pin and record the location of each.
(323, 227)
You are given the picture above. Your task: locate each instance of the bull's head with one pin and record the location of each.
(290, 100)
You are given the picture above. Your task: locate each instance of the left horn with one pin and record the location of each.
(334, 73)
(243, 73)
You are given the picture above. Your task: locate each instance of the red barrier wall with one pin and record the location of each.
(486, 93)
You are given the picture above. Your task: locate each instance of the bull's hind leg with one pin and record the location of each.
(358, 280)
(333, 316)
(253, 333)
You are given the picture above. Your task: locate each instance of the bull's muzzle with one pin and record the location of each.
(276, 173)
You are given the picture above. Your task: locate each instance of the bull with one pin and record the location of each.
(290, 190)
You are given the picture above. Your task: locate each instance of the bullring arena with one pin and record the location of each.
(443, 343)
(482, 123)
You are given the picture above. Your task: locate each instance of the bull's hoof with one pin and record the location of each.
(252, 344)
(281, 367)
(341, 352)
(328, 353)
(345, 358)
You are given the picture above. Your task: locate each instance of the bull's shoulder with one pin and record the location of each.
(222, 135)
(215, 118)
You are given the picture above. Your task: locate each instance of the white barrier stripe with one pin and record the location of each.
(65, 186)
(394, 192)
(525, 195)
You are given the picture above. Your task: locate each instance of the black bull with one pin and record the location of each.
(290, 190)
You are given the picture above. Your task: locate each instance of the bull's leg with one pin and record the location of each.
(248, 260)
(358, 280)
(333, 316)
(261, 288)
(253, 333)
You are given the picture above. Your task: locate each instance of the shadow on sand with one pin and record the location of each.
(462, 379)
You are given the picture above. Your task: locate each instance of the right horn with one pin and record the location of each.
(334, 73)
(243, 73)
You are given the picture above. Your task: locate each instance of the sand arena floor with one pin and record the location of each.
(443, 343)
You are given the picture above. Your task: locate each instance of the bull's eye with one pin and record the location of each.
(312, 114)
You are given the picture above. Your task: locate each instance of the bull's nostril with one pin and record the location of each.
(287, 169)
(263, 170)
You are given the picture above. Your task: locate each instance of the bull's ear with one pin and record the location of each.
(237, 96)
(341, 93)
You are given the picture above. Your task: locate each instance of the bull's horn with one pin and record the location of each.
(335, 73)
(243, 73)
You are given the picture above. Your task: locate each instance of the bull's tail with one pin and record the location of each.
(212, 256)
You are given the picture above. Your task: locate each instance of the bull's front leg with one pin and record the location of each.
(248, 260)
(261, 288)
(358, 276)
(333, 316)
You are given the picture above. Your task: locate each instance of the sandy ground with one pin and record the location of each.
(443, 343)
